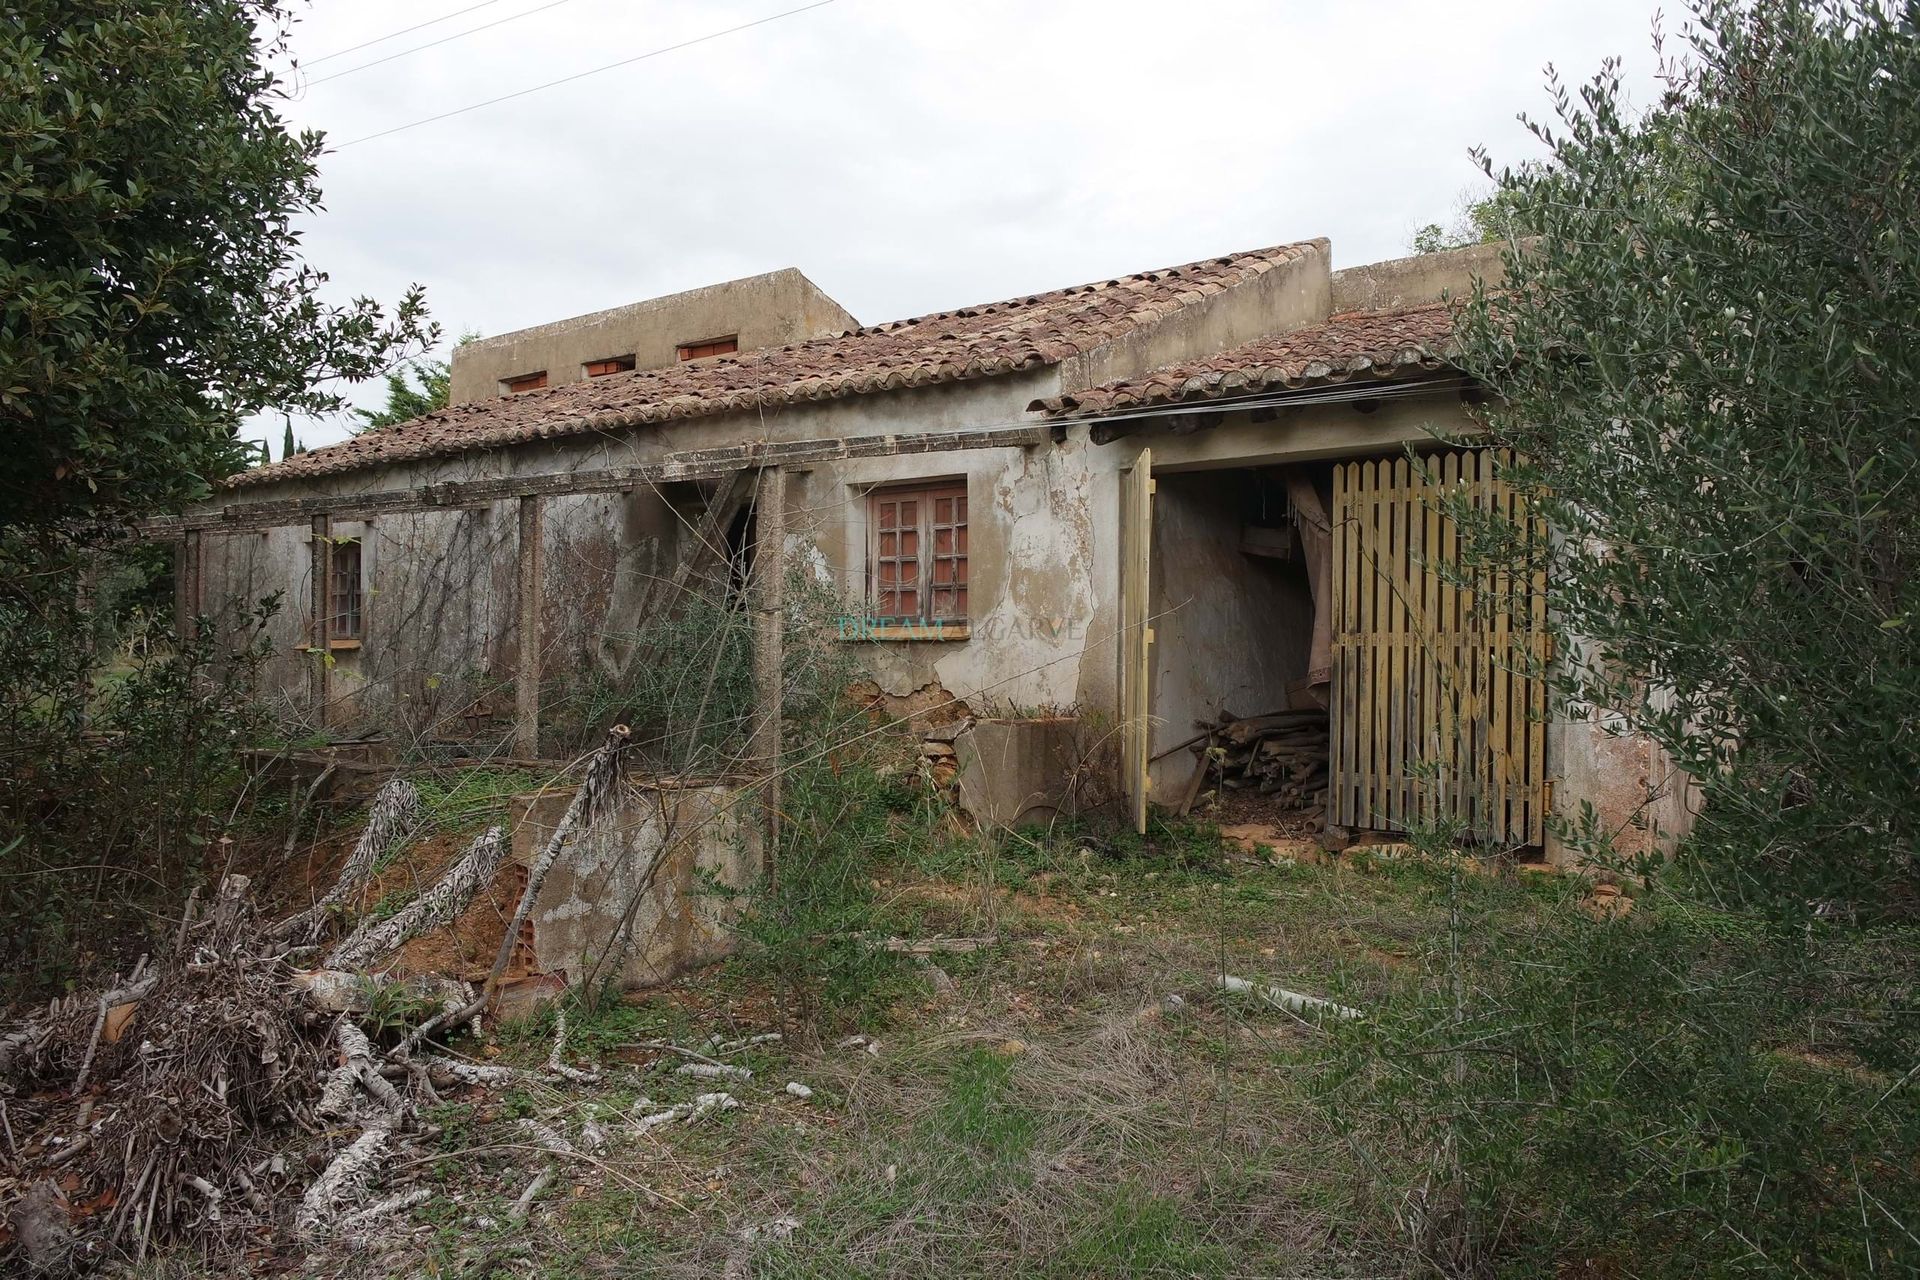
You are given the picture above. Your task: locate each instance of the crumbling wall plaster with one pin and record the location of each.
(1033, 566)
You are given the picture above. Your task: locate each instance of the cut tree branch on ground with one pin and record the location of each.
(343, 1181)
(395, 816)
(135, 991)
(357, 1069)
(438, 906)
(237, 1053)
(559, 1068)
(1292, 1001)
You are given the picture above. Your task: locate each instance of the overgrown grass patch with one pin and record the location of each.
(1080, 1099)
(460, 799)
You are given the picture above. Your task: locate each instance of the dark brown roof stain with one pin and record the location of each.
(1355, 346)
(972, 342)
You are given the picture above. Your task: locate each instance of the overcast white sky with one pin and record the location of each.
(907, 155)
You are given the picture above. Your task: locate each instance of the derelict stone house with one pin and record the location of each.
(1147, 501)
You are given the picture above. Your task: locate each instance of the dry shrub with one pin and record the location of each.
(198, 1097)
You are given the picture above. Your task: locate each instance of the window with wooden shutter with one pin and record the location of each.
(525, 382)
(917, 553)
(710, 347)
(344, 620)
(612, 364)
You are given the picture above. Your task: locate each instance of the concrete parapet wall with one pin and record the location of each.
(680, 922)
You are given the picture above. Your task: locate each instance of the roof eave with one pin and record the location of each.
(1247, 386)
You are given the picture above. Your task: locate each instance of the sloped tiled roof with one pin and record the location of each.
(972, 342)
(1352, 347)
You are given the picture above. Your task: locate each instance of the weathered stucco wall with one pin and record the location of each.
(1044, 530)
(1418, 280)
(768, 310)
(1642, 802)
(1034, 566)
(241, 571)
(440, 600)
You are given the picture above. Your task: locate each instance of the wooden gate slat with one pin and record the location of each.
(1431, 589)
(1395, 579)
(1350, 689)
(1380, 643)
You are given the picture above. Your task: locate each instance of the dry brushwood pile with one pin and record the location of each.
(224, 1096)
(1283, 755)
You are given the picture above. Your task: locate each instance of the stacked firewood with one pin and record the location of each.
(1283, 755)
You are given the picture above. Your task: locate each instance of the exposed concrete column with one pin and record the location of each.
(320, 678)
(769, 621)
(526, 680)
(186, 581)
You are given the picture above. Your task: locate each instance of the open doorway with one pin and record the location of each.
(1240, 680)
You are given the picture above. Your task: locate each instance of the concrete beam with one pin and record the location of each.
(695, 464)
(320, 625)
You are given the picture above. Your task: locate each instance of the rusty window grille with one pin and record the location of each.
(344, 618)
(612, 364)
(710, 347)
(526, 382)
(917, 553)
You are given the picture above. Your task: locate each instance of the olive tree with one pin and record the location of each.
(1706, 358)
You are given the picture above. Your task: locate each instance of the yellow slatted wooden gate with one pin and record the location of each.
(1438, 710)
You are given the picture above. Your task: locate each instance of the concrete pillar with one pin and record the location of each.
(526, 681)
(769, 622)
(320, 678)
(186, 582)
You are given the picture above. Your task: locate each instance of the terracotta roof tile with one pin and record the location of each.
(972, 342)
(1351, 347)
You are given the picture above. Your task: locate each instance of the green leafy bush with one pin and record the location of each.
(809, 932)
(1706, 363)
(152, 292)
(119, 771)
(1638, 1097)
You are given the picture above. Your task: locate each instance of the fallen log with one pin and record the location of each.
(1241, 732)
(357, 1072)
(342, 1182)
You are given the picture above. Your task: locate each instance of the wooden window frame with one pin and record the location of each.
(611, 364)
(922, 524)
(524, 382)
(705, 347)
(346, 594)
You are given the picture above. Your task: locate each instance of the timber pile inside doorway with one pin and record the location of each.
(1269, 768)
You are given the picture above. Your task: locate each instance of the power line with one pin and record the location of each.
(581, 75)
(355, 48)
(485, 26)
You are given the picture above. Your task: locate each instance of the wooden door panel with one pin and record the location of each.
(1438, 707)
